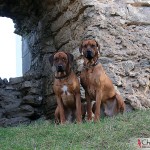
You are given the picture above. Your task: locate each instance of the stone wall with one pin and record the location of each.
(20, 100)
(123, 30)
(122, 27)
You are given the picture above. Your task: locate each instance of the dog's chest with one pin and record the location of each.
(91, 91)
(90, 81)
(65, 90)
(67, 96)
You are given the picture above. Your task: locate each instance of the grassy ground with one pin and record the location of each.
(110, 133)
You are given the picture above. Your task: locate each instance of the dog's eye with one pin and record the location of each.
(56, 59)
(64, 59)
(93, 46)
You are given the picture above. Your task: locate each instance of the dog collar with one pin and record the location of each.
(93, 65)
(62, 77)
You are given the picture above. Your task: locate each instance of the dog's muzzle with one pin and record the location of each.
(60, 68)
(89, 54)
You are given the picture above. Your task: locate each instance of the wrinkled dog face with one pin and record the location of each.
(60, 61)
(89, 48)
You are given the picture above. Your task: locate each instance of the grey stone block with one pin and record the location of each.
(16, 80)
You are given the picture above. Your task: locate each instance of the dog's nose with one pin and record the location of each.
(59, 68)
(89, 51)
(89, 54)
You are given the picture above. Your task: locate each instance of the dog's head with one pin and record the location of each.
(90, 49)
(61, 61)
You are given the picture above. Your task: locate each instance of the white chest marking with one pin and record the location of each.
(65, 90)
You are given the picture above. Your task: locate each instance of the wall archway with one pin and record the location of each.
(10, 50)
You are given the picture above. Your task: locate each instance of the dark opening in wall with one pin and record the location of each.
(10, 50)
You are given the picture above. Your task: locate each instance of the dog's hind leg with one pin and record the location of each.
(120, 103)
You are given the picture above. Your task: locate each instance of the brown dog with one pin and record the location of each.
(97, 84)
(66, 88)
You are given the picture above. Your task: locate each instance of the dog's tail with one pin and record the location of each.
(120, 103)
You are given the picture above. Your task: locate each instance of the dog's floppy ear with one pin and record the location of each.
(70, 58)
(98, 46)
(51, 59)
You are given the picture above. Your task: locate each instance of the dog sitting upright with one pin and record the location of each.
(66, 88)
(97, 84)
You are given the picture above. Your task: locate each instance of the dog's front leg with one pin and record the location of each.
(89, 106)
(98, 104)
(61, 110)
(57, 115)
(78, 107)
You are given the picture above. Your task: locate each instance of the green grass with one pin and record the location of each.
(110, 133)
